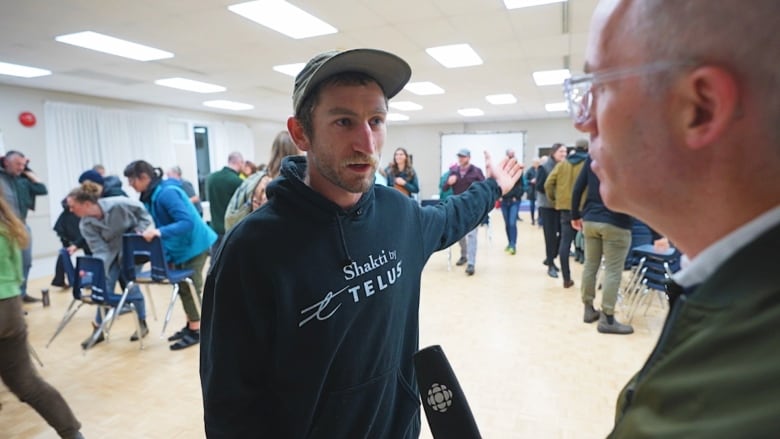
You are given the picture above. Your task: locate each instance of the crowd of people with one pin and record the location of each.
(324, 348)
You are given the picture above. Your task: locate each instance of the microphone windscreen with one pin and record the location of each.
(443, 400)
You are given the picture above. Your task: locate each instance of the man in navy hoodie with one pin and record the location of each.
(310, 314)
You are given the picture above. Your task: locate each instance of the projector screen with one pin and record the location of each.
(494, 143)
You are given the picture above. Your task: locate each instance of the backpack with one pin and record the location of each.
(240, 204)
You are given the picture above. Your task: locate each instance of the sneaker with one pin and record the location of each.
(613, 328)
(179, 334)
(512, 250)
(100, 339)
(568, 283)
(144, 332)
(30, 299)
(470, 270)
(190, 339)
(552, 272)
(461, 261)
(506, 249)
(61, 284)
(591, 314)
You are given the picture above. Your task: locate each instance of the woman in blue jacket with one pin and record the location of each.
(185, 236)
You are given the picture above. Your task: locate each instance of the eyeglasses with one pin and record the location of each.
(578, 90)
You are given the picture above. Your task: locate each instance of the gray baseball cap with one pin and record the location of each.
(390, 71)
(464, 153)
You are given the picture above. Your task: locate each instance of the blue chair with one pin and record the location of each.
(90, 288)
(67, 265)
(135, 250)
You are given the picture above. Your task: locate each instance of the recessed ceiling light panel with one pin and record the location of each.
(190, 85)
(455, 55)
(424, 88)
(22, 71)
(228, 105)
(284, 18)
(471, 112)
(516, 4)
(501, 99)
(551, 77)
(405, 106)
(113, 46)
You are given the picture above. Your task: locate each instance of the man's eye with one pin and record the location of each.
(344, 122)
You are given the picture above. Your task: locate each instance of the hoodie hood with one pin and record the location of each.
(290, 190)
(577, 157)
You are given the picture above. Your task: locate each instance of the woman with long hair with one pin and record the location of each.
(282, 147)
(16, 369)
(186, 238)
(400, 174)
(103, 222)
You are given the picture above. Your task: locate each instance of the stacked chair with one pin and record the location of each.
(650, 273)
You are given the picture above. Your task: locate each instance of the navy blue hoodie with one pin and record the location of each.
(310, 312)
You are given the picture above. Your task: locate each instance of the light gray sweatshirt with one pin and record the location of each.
(104, 235)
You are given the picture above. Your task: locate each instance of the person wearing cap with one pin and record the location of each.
(310, 311)
(460, 178)
(113, 190)
(20, 185)
(558, 187)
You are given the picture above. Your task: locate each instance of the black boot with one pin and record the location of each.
(144, 331)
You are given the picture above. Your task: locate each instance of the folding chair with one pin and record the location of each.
(135, 247)
(92, 277)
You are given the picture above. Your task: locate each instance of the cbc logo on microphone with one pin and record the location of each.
(439, 397)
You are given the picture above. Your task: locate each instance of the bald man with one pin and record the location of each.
(677, 94)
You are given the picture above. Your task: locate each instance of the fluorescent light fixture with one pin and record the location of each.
(228, 105)
(190, 85)
(290, 69)
(558, 106)
(424, 88)
(470, 112)
(22, 71)
(397, 116)
(284, 18)
(516, 4)
(501, 99)
(405, 106)
(551, 77)
(113, 46)
(455, 55)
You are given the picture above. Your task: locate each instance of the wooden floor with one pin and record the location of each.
(528, 364)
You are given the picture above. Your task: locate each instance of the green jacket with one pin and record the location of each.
(559, 185)
(10, 267)
(220, 186)
(715, 372)
(20, 192)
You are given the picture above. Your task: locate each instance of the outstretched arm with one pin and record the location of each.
(506, 172)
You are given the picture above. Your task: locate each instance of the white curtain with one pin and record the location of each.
(80, 136)
(226, 137)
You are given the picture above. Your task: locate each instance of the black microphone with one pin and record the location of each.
(446, 408)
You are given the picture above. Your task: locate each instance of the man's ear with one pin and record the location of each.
(296, 133)
(711, 96)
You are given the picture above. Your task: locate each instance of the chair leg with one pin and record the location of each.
(169, 313)
(34, 354)
(69, 313)
(138, 326)
(151, 301)
(107, 316)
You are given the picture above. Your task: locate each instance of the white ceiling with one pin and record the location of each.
(212, 44)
